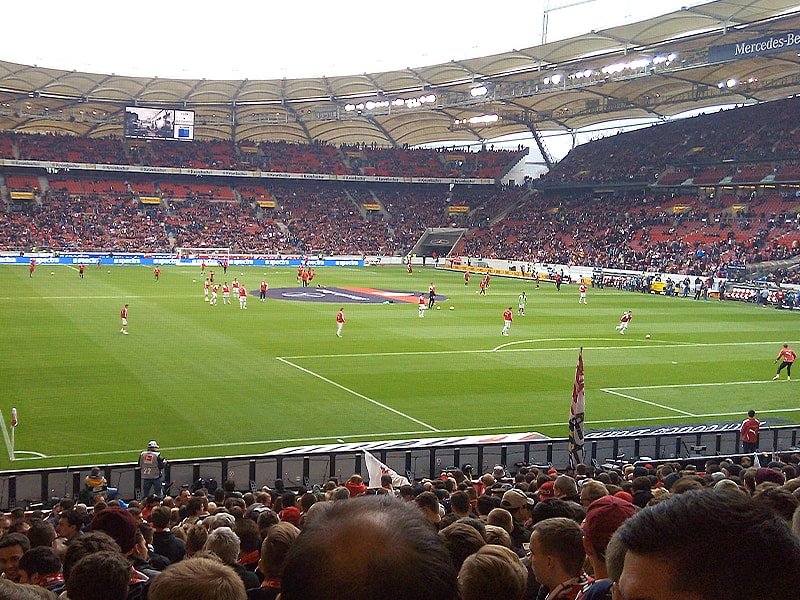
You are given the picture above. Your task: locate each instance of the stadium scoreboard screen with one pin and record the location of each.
(159, 123)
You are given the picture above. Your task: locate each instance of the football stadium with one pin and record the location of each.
(246, 297)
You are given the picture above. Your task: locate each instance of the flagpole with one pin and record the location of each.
(13, 430)
(577, 415)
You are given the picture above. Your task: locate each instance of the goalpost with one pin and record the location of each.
(198, 255)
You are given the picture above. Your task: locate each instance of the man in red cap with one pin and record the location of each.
(546, 490)
(603, 518)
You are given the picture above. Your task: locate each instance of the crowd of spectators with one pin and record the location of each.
(534, 533)
(707, 147)
(278, 217)
(67, 222)
(678, 230)
(688, 235)
(278, 157)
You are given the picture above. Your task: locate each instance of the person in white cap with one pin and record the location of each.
(151, 465)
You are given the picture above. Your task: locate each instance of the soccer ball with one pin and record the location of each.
(452, 308)
(647, 336)
(194, 281)
(438, 308)
(52, 272)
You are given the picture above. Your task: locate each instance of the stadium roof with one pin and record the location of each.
(558, 86)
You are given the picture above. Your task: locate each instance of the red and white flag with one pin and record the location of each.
(14, 420)
(576, 415)
(375, 469)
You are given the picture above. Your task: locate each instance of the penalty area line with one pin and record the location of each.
(634, 398)
(652, 345)
(690, 385)
(354, 393)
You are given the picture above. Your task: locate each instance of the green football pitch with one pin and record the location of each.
(214, 381)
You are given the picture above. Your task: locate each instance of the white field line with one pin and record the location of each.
(504, 347)
(681, 385)
(428, 427)
(95, 297)
(6, 436)
(608, 391)
(388, 434)
(362, 396)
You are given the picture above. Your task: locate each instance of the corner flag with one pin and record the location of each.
(376, 468)
(14, 422)
(576, 416)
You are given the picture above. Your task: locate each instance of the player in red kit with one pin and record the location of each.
(422, 305)
(242, 297)
(81, 269)
(787, 357)
(263, 291)
(339, 322)
(410, 268)
(226, 293)
(624, 320)
(156, 273)
(32, 267)
(467, 275)
(123, 314)
(206, 287)
(508, 316)
(582, 299)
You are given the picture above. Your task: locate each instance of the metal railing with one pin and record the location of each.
(41, 487)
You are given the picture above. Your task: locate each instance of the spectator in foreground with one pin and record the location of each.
(12, 547)
(663, 543)
(24, 591)
(277, 543)
(603, 517)
(225, 543)
(197, 579)
(492, 572)
(40, 566)
(365, 548)
(101, 575)
(557, 557)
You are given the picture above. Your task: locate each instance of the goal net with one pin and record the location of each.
(208, 255)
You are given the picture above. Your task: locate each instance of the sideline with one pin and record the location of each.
(386, 435)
